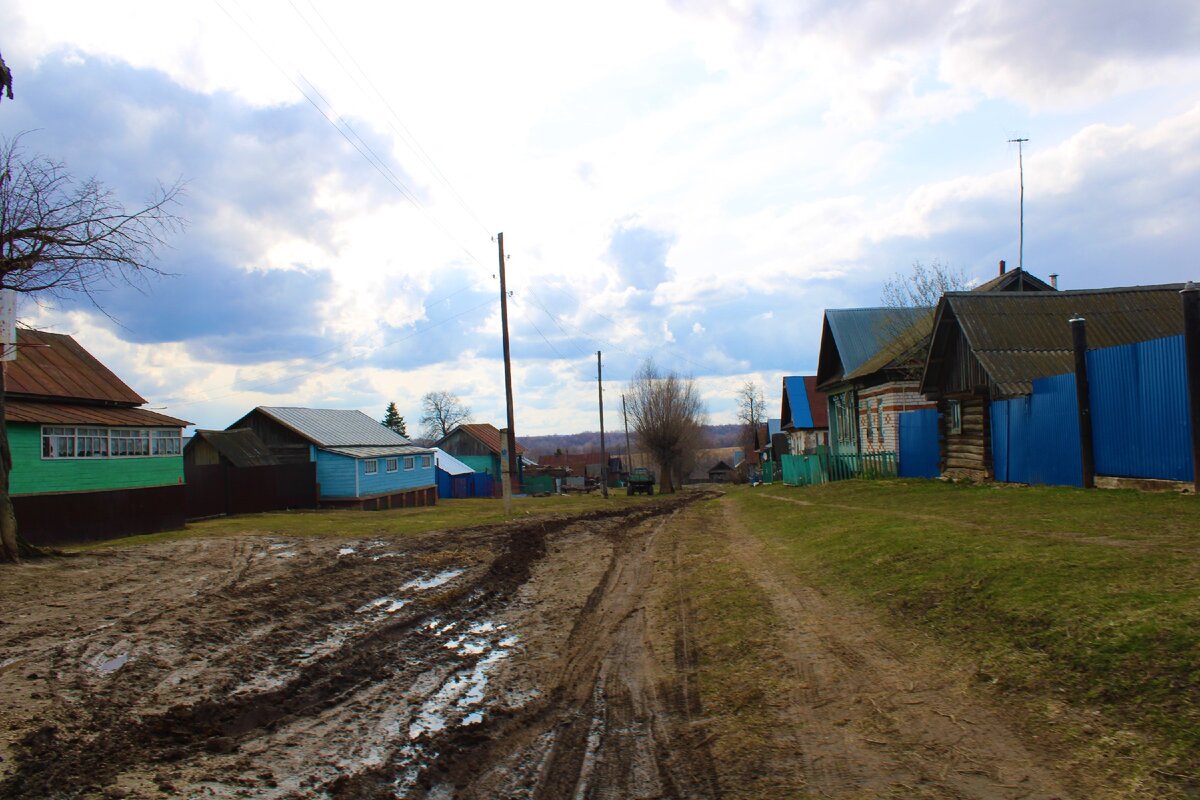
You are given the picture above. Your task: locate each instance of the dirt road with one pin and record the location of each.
(536, 659)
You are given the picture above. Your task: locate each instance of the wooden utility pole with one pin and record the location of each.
(628, 454)
(1021, 234)
(513, 473)
(603, 451)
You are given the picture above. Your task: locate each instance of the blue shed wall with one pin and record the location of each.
(1035, 439)
(336, 475)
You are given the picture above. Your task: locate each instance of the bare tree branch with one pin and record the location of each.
(667, 413)
(440, 412)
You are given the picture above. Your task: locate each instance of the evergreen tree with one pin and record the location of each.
(393, 420)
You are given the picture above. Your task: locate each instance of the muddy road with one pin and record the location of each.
(546, 658)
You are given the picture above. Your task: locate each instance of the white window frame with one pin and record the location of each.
(371, 466)
(391, 465)
(879, 417)
(426, 462)
(97, 442)
(953, 416)
(409, 463)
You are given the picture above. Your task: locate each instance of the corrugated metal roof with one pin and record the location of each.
(241, 446)
(333, 427)
(380, 451)
(1015, 280)
(54, 365)
(862, 334)
(487, 434)
(774, 426)
(449, 464)
(82, 414)
(794, 410)
(907, 340)
(1020, 336)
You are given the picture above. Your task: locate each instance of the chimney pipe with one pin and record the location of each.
(1054, 280)
(1002, 266)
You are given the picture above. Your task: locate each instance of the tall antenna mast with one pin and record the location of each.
(1021, 235)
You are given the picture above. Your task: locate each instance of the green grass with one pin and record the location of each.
(1064, 595)
(447, 514)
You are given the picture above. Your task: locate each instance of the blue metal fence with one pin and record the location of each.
(1035, 439)
(1139, 404)
(919, 451)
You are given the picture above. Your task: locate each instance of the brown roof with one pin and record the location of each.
(487, 434)
(575, 461)
(81, 414)
(53, 365)
(1020, 336)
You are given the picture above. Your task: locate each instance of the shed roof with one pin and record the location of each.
(241, 446)
(379, 451)
(54, 365)
(16, 410)
(486, 433)
(334, 427)
(1020, 336)
(449, 464)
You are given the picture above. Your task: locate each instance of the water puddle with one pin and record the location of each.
(434, 581)
(112, 664)
(346, 551)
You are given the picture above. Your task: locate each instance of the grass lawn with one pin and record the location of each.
(1088, 599)
(446, 514)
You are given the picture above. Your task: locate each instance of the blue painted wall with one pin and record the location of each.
(1035, 439)
(920, 453)
(336, 474)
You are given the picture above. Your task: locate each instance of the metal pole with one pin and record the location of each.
(1021, 239)
(603, 451)
(1191, 338)
(628, 454)
(1087, 457)
(514, 472)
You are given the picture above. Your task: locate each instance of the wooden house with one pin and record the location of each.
(804, 415)
(868, 368)
(358, 462)
(477, 444)
(234, 472)
(991, 346)
(88, 461)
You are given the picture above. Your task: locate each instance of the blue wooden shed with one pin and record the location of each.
(359, 462)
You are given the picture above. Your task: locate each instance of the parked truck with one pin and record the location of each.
(641, 480)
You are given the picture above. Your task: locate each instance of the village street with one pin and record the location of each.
(546, 658)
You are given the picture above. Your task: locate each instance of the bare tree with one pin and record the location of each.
(751, 413)
(440, 412)
(666, 411)
(61, 236)
(911, 299)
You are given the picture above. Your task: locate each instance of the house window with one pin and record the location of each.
(62, 442)
(409, 462)
(879, 417)
(126, 442)
(58, 442)
(954, 416)
(426, 462)
(167, 443)
(870, 428)
(392, 464)
(371, 466)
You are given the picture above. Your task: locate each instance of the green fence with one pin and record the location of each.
(810, 470)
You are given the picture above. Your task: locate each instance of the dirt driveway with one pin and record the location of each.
(535, 659)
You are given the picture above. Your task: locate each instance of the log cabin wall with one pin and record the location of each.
(966, 453)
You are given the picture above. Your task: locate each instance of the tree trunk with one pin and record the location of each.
(665, 471)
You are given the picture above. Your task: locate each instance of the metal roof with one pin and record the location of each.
(803, 406)
(449, 464)
(865, 340)
(1015, 280)
(774, 426)
(53, 365)
(241, 446)
(1020, 336)
(380, 451)
(332, 427)
(82, 414)
(487, 434)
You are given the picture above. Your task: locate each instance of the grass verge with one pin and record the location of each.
(447, 514)
(1084, 604)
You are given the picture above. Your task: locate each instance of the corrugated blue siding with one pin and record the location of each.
(1035, 439)
(1139, 402)
(919, 451)
(336, 474)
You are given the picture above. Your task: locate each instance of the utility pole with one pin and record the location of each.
(603, 451)
(1021, 235)
(513, 472)
(628, 454)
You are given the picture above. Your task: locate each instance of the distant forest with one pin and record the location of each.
(589, 441)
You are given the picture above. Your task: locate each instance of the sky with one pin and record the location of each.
(690, 182)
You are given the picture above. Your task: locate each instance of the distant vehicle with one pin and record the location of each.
(640, 480)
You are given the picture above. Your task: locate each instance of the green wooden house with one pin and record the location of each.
(88, 461)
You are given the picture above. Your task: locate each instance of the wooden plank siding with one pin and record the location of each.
(286, 445)
(968, 453)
